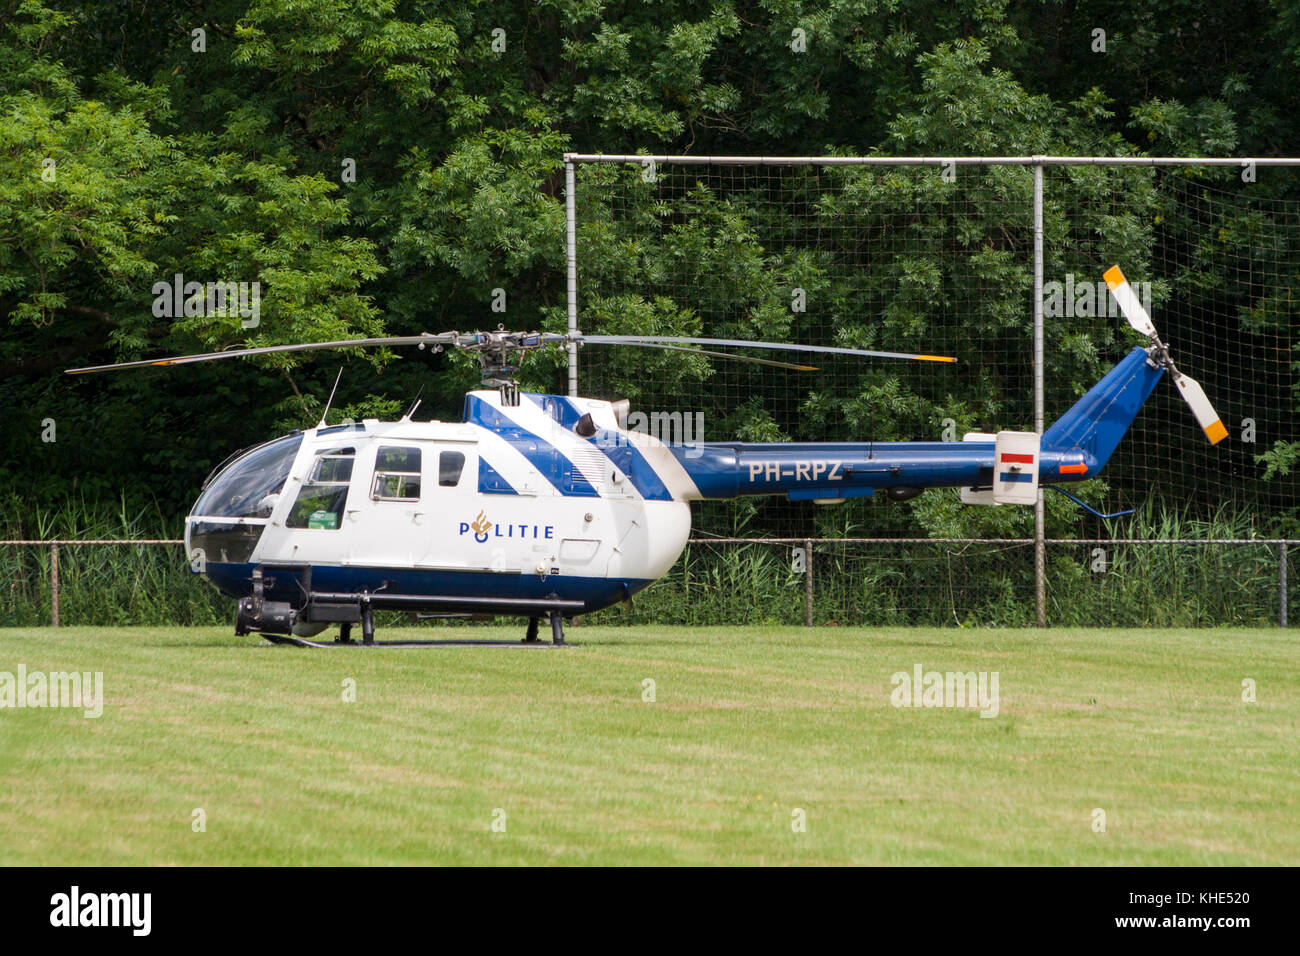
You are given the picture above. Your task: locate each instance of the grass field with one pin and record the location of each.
(747, 725)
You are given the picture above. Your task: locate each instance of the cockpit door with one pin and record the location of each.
(412, 494)
(388, 515)
(309, 521)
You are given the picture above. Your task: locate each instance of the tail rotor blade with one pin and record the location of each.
(1129, 304)
(1191, 390)
(1205, 414)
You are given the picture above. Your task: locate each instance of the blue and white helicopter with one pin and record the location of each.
(546, 506)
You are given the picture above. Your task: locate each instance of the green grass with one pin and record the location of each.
(748, 724)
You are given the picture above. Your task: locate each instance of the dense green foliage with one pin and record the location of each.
(226, 156)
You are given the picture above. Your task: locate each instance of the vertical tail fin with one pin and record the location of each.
(1099, 420)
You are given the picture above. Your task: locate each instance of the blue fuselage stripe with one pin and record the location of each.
(612, 445)
(557, 406)
(236, 580)
(633, 464)
(490, 481)
(549, 461)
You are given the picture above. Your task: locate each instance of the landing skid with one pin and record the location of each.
(303, 642)
(345, 638)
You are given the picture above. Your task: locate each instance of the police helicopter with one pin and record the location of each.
(548, 506)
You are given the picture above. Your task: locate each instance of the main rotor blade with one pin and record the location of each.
(1205, 414)
(1129, 304)
(425, 339)
(726, 355)
(740, 343)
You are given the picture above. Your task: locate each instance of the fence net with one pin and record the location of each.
(925, 259)
(940, 260)
(1223, 272)
(968, 583)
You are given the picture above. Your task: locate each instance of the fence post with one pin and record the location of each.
(1281, 584)
(54, 582)
(571, 256)
(1040, 520)
(808, 582)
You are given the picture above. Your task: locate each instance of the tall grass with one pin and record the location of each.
(925, 583)
(100, 584)
(899, 583)
(1167, 585)
(904, 583)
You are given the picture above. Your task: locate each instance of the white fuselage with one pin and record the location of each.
(511, 494)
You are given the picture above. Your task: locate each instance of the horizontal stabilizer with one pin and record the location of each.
(1015, 468)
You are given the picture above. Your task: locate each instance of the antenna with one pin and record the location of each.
(322, 422)
(414, 405)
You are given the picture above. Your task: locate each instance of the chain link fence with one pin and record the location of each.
(971, 582)
(848, 582)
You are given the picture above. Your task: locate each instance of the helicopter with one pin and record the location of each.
(547, 506)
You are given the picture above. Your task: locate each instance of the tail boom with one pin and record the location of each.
(1075, 448)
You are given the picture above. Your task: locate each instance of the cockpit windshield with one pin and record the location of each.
(249, 486)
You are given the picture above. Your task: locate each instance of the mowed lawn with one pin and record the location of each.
(747, 726)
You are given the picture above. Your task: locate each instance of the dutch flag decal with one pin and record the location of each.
(1009, 466)
(1015, 468)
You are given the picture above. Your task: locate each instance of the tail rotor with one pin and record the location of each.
(1131, 307)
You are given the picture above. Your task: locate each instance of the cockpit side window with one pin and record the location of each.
(397, 474)
(324, 495)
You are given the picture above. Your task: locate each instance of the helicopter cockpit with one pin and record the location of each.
(237, 500)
